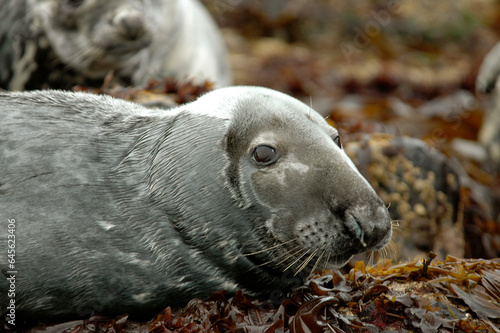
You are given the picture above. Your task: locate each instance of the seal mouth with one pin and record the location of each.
(361, 229)
(127, 47)
(329, 243)
(263, 264)
(271, 263)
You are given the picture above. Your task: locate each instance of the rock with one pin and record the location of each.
(422, 188)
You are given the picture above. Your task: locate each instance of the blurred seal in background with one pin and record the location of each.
(61, 43)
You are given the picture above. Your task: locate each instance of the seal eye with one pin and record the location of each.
(337, 141)
(265, 155)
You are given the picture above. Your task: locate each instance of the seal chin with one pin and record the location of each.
(339, 262)
(384, 241)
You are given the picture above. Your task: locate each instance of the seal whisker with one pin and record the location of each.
(398, 229)
(304, 264)
(310, 107)
(286, 257)
(269, 248)
(319, 259)
(388, 252)
(371, 258)
(265, 263)
(392, 250)
(382, 252)
(283, 256)
(327, 260)
(273, 260)
(81, 58)
(306, 251)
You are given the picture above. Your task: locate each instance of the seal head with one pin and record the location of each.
(290, 163)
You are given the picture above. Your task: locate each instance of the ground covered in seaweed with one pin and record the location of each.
(428, 295)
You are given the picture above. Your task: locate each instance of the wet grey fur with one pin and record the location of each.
(58, 44)
(122, 209)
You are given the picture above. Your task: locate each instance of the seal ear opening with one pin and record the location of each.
(235, 146)
(230, 144)
(337, 141)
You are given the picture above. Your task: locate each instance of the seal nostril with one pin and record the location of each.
(357, 229)
(361, 237)
(130, 25)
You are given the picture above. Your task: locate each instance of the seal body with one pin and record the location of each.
(124, 209)
(57, 44)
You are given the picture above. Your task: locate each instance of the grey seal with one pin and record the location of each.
(118, 208)
(57, 44)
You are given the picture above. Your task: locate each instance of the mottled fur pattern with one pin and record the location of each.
(123, 209)
(58, 44)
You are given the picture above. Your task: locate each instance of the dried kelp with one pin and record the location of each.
(454, 295)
